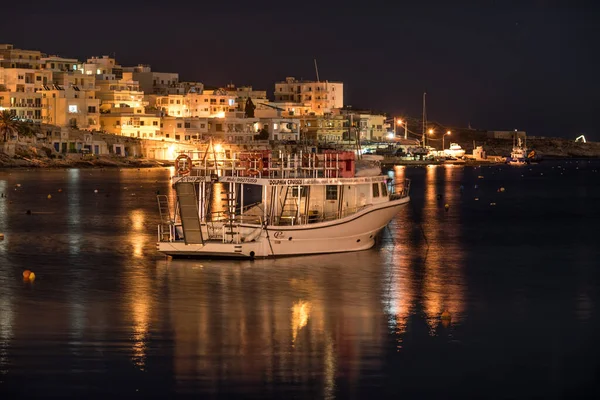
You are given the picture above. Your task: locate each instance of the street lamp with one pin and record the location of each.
(443, 137)
(405, 123)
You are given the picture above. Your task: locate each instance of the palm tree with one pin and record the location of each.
(8, 124)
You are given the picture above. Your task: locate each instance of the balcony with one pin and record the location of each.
(25, 105)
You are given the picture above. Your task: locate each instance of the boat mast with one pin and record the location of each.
(424, 121)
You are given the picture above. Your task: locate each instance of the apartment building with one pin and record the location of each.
(210, 103)
(70, 100)
(151, 82)
(321, 96)
(184, 129)
(104, 65)
(119, 93)
(131, 122)
(18, 58)
(21, 79)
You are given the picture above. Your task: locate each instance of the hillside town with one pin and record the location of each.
(67, 107)
(100, 95)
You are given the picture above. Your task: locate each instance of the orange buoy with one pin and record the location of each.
(1, 236)
(49, 196)
(446, 316)
(446, 206)
(31, 277)
(59, 190)
(26, 274)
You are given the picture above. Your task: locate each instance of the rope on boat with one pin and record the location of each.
(268, 237)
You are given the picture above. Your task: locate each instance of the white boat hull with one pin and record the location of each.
(352, 233)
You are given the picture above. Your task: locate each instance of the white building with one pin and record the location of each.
(21, 79)
(210, 103)
(70, 101)
(321, 97)
(117, 93)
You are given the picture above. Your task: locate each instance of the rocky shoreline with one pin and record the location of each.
(29, 156)
(7, 162)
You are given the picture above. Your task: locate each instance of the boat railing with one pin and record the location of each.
(266, 164)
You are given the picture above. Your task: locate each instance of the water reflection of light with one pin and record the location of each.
(300, 314)
(74, 211)
(6, 330)
(443, 280)
(330, 368)
(137, 237)
(3, 213)
(140, 312)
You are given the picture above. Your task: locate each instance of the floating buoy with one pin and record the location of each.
(446, 206)
(59, 190)
(1, 236)
(446, 316)
(502, 189)
(26, 274)
(31, 277)
(49, 196)
(95, 190)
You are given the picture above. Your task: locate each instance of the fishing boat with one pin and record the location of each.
(518, 155)
(269, 204)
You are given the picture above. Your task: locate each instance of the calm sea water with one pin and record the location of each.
(108, 316)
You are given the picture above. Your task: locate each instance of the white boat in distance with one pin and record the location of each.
(454, 151)
(269, 204)
(518, 155)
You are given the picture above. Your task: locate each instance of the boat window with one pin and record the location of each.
(295, 191)
(384, 191)
(376, 190)
(331, 192)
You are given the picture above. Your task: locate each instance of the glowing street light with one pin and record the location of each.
(400, 123)
(443, 137)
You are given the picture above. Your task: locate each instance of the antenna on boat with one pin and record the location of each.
(424, 119)
(317, 70)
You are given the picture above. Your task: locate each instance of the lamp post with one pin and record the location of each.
(405, 123)
(443, 137)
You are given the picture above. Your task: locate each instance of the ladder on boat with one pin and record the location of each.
(289, 207)
(165, 217)
(188, 208)
(230, 228)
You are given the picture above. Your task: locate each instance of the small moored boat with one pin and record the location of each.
(264, 204)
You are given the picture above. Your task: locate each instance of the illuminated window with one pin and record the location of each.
(274, 126)
(72, 108)
(231, 102)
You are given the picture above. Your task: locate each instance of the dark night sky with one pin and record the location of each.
(531, 65)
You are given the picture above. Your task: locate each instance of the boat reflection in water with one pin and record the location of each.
(273, 322)
(273, 325)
